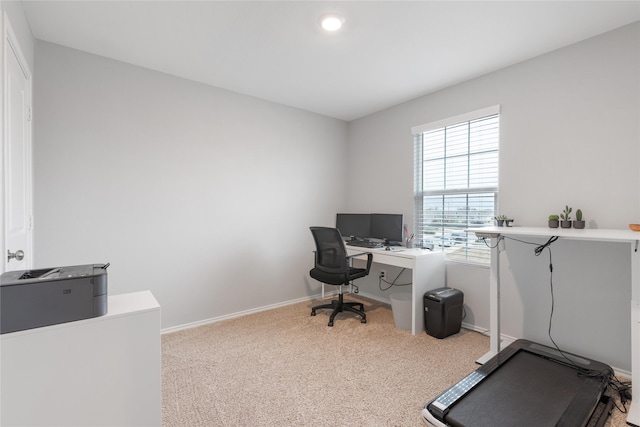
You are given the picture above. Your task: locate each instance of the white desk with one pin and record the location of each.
(427, 273)
(602, 235)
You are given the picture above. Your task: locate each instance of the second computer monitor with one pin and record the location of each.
(387, 227)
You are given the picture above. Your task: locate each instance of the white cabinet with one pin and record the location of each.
(104, 371)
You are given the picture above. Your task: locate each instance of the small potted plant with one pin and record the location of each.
(565, 216)
(554, 221)
(579, 222)
(500, 220)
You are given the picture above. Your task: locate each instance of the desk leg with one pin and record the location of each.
(427, 274)
(494, 303)
(634, 410)
(416, 308)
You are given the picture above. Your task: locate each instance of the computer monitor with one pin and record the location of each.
(357, 226)
(387, 227)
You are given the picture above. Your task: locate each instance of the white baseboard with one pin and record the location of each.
(237, 314)
(475, 328)
(375, 297)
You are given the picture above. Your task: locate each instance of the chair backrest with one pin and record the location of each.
(331, 253)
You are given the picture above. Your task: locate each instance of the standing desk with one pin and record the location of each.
(427, 273)
(601, 235)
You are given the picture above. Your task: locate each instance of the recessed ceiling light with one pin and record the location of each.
(331, 22)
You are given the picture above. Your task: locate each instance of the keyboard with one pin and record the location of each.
(364, 244)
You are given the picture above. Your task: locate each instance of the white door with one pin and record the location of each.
(17, 168)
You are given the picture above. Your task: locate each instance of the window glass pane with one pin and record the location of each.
(482, 209)
(456, 172)
(433, 143)
(483, 170)
(483, 134)
(457, 140)
(445, 218)
(431, 221)
(433, 175)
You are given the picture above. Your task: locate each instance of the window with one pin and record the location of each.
(456, 182)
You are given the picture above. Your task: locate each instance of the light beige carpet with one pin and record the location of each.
(285, 368)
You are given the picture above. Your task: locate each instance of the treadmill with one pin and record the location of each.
(525, 384)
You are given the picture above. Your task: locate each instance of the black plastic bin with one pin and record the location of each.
(443, 312)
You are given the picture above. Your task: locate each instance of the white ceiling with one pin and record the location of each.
(388, 52)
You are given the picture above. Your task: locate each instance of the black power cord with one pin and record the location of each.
(393, 283)
(538, 251)
(484, 240)
(623, 390)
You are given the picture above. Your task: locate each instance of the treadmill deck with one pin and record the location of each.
(526, 382)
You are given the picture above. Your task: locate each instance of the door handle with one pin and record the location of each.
(18, 255)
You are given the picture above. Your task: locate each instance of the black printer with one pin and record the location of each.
(34, 298)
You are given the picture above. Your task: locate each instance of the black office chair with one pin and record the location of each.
(332, 267)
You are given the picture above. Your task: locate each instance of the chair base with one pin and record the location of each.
(339, 306)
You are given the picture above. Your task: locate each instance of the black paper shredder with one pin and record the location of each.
(443, 312)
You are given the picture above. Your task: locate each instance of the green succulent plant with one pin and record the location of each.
(553, 217)
(578, 215)
(566, 213)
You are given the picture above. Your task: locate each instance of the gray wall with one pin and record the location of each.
(204, 196)
(200, 195)
(569, 135)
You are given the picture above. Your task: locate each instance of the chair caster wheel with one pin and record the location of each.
(330, 324)
(313, 313)
(363, 321)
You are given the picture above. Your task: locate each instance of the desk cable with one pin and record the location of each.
(484, 240)
(393, 283)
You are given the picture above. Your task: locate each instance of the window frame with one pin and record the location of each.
(470, 244)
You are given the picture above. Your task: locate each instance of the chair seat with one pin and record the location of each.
(333, 279)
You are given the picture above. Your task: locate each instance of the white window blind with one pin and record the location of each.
(456, 182)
